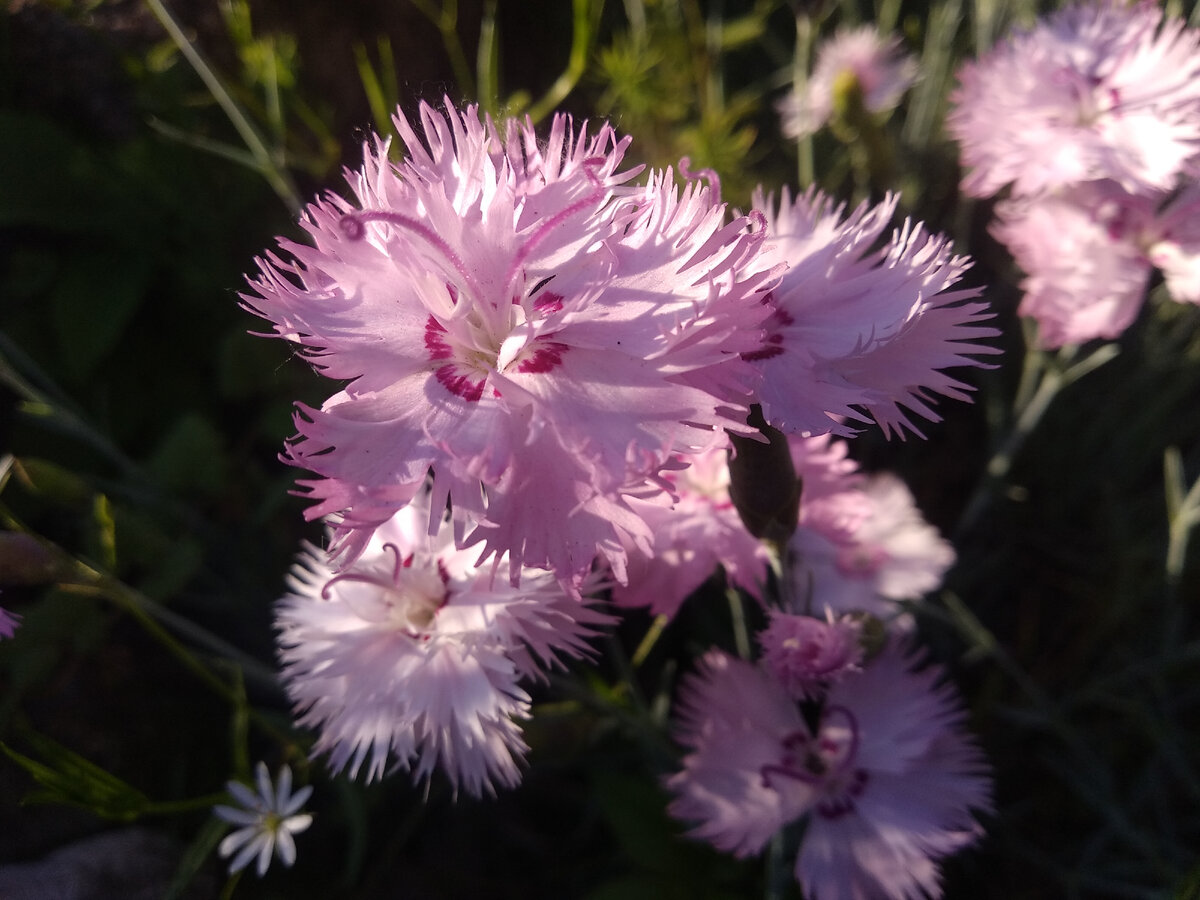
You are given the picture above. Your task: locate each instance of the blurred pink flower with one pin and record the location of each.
(886, 775)
(1088, 255)
(1104, 90)
(693, 535)
(881, 70)
(511, 314)
(861, 544)
(857, 330)
(414, 653)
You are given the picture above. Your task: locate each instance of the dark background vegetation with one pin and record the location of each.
(144, 424)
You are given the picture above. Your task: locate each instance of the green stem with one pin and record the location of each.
(585, 17)
(800, 65)
(277, 177)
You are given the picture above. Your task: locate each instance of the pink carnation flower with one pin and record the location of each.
(858, 330)
(1104, 90)
(512, 315)
(880, 69)
(885, 776)
(1088, 255)
(862, 544)
(693, 535)
(413, 653)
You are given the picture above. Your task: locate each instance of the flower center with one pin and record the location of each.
(407, 599)
(466, 349)
(825, 761)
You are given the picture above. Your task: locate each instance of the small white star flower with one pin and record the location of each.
(268, 819)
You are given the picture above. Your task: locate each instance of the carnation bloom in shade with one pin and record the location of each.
(511, 314)
(1088, 255)
(858, 330)
(414, 655)
(266, 820)
(885, 774)
(1104, 90)
(861, 544)
(880, 70)
(693, 535)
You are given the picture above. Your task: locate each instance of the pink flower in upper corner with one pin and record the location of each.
(1104, 90)
(692, 536)
(862, 544)
(881, 71)
(858, 331)
(9, 622)
(885, 774)
(414, 654)
(806, 654)
(511, 314)
(1088, 255)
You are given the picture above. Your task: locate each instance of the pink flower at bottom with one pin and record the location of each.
(886, 775)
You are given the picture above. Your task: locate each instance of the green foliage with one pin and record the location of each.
(66, 777)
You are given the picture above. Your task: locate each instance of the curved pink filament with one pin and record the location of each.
(352, 226)
(709, 175)
(589, 167)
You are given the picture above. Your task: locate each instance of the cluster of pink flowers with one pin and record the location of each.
(1091, 121)
(540, 364)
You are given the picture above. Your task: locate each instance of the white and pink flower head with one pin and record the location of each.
(884, 773)
(882, 72)
(1099, 90)
(412, 657)
(860, 326)
(510, 314)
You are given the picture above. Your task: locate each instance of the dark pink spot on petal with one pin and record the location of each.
(547, 356)
(548, 302)
(434, 342)
(773, 342)
(463, 386)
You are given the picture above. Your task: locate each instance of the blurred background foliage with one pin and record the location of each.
(148, 153)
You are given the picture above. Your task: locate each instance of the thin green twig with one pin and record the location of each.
(267, 165)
